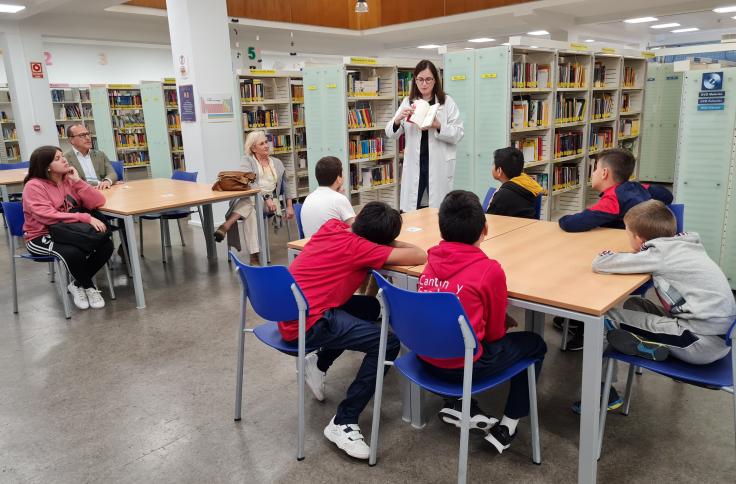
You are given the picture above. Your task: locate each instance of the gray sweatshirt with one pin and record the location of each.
(691, 287)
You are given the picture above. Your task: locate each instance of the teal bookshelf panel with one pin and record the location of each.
(313, 114)
(728, 253)
(103, 121)
(492, 68)
(157, 135)
(459, 83)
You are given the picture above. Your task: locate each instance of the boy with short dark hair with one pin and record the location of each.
(517, 195)
(331, 267)
(327, 201)
(697, 304)
(458, 265)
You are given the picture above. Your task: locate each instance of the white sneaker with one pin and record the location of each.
(348, 438)
(94, 297)
(314, 378)
(79, 295)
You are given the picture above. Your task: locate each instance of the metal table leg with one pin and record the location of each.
(262, 242)
(208, 227)
(135, 262)
(591, 399)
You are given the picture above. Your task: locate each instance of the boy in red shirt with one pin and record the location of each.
(458, 265)
(329, 270)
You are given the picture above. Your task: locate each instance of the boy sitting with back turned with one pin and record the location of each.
(697, 304)
(328, 271)
(458, 265)
(517, 195)
(326, 202)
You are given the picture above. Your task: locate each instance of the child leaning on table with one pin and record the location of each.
(458, 265)
(517, 195)
(697, 303)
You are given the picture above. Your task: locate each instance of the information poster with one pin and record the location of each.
(217, 107)
(187, 109)
(712, 97)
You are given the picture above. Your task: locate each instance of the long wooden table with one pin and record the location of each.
(11, 177)
(142, 197)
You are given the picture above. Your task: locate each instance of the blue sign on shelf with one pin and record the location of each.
(712, 93)
(712, 81)
(711, 107)
(712, 100)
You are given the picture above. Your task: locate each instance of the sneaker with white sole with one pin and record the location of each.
(452, 411)
(94, 296)
(79, 295)
(314, 378)
(500, 437)
(348, 438)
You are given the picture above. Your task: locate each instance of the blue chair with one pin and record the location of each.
(15, 166)
(439, 336)
(718, 375)
(164, 217)
(678, 209)
(538, 207)
(298, 216)
(119, 171)
(274, 296)
(487, 200)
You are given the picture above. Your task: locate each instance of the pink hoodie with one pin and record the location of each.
(44, 204)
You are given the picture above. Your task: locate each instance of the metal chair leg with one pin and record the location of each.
(181, 236)
(378, 395)
(61, 276)
(532, 379)
(604, 404)
(629, 385)
(638, 370)
(108, 274)
(565, 330)
(13, 275)
(241, 355)
(51, 272)
(163, 240)
(140, 238)
(124, 245)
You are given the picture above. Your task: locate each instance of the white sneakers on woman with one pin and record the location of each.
(86, 298)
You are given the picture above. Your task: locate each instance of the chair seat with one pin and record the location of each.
(415, 370)
(269, 334)
(716, 374)
(642, 290)
(173, 214)
(37, 258)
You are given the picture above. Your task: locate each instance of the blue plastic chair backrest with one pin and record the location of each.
(14, 216)
(538, 207)
(678, 209)
(730, 334)
(15, 166)
(426, 322)
(269, 290)
(298, 215)
(190, 176)
(119, 171)
(487, 200)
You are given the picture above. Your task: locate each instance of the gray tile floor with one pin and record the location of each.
(127, 395)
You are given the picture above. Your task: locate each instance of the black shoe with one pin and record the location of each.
(614, 401)
(630, 344)
(451, 413)
(558, 321)
(575, 340)
(220, 234)
(500, 437)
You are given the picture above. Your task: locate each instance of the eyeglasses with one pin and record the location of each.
(81, 135)
(425, 80)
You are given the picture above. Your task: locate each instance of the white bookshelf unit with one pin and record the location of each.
(10, 150)
(72, 105)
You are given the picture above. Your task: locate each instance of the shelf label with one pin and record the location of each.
(579, 46)
(122, 86)
(648, 54)
(311, 87)
(169, 80)
(458, 78)
(363, 60)
(262, 72)
(488, 75)
(608, 50)
(331, 86)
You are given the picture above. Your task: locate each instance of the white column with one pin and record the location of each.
(199, 33)
(31, 97)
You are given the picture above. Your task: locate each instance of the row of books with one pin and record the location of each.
(602, 106)
(173, 120)
(9, 132)
(358, 87)
(599, 75)
(565, 176)
(568, 143)
(570, 74)
(4, 116)
(362, 178)
(529, 113)
(625, 102)
(297, 113)
(68, 111)
(251, 90)
(629, 127)
(365, 147)
(569, 109)
(84, 95)
(601, 139)
(175, 141)
(541, 178)
(130, 140)
(134, 120)
(177, 161)
(405, 78)
(279, 142)
(63, 95)
(297, 91)
(300, 138)
(135, 158)
(361, 117)
(261, 118)
(125, 99)
(12, 152)
(87, 111)
(629, 77)
(530, 75)
(532, 148)
(170, 97)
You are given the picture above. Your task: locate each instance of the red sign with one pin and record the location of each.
(36, 70)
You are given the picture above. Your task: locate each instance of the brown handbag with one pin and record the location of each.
(233, 181)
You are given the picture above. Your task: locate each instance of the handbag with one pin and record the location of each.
(233, 181)
(80, 234)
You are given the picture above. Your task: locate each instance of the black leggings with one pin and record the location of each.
(81, 266)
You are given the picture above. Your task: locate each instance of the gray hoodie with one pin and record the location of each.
(691, 287)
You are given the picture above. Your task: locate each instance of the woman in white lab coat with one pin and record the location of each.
(429, 154)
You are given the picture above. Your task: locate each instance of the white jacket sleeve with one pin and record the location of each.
(452, 130)
(390, 133)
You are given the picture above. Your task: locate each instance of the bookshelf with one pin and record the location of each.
(273, 101)
(173, 124)
(347, 109)
(10, 152)
(559, 103)
(129, 129)
(72, 105)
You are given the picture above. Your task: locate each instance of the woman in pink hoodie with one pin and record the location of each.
(52, 188)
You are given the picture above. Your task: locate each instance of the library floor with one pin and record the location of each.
(127, 395)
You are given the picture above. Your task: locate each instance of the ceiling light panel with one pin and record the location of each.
(640, 20)
(538, 32)
(665, 26)
(728, 9)
(5, 8)
(428, 46)
(481, 39)
(681, 31)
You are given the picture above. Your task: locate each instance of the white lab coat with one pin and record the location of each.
(442, 149)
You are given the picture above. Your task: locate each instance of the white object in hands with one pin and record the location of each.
(424, 114)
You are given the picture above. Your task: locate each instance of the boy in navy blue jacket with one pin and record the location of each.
(611, 177)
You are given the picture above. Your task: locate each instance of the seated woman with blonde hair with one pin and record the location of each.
(269, 178)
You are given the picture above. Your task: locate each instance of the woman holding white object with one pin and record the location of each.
(429, 154)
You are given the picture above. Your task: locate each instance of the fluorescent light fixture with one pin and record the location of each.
(506, 43)
(361, 6)
(589, 40)
(689, 29)
(640, 20)
(730, 9)
(665, 26)
(481, 39)
(538, 32)
(5, 8)
(428, 46)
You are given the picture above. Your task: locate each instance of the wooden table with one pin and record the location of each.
(11, 177)
(142, 197)
(548, 271)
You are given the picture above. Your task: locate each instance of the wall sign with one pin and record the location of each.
(36, 70)
(187, 109)
(712, 97)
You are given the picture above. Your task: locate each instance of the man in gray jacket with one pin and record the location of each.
(92, 165)
(697, 304)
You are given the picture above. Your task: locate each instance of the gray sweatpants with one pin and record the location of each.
(642, 313)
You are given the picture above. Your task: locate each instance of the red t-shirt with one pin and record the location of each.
(330, 269)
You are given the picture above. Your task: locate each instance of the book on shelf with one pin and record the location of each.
(300, 139)
(279, 142)
(599, 75)
(568, 143)
(569, 109)
(261, 118)
(571, 74)
(629, 127)
(625, 102)
(565, 176)
(12, 152)
(128, 121)
(602, 105)
(424, 114)
(358, 87)
(629, 77)
(84, 96)
(361, 116)
(529, 113)
(297, 91)
(9, 133)
(135, 158)
(175, 141)
(251, 90)
(532, 148)
(405, 79)
(531, 75)
(541, 178)
(360, 147)
(125, 99)
(173, 120)
(367, 177)
(601, 139)
(130, 140)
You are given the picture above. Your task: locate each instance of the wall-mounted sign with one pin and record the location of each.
(36, 70)
(187, 108)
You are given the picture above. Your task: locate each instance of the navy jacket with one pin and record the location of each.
(609, 211)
